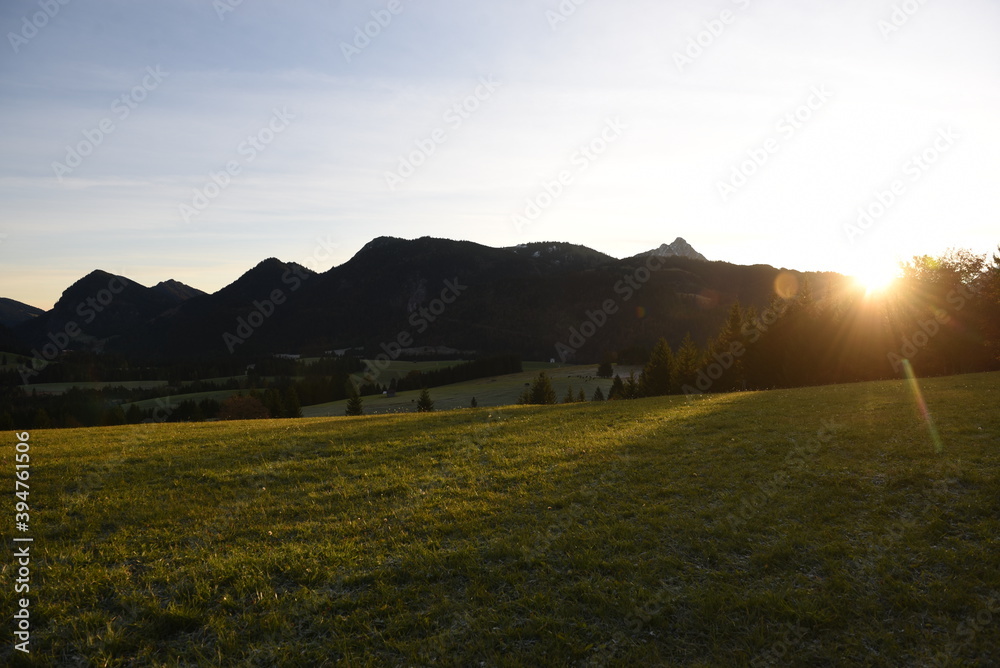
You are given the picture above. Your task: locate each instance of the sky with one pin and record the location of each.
(190, 140)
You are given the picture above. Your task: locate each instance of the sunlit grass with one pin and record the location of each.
(631, 533)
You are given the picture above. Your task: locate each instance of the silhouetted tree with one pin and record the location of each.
(655, 378)
(354, 404)
(540, 392)
(241, 407)
(617, 390)
(424, 403)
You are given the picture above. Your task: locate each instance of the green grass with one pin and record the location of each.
(13, 361)
(61, 388)
(726, 530)
(493, 391)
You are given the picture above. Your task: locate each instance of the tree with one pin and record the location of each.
(655, 378)
(617, 390)
(728, 348)
(474, 403)
(424, 403)
(569, 398)
(598, 395)
(540, 392)
(582, 396)
(632, 389)
(687, 363)
(41, 419)
(134, 414)
(354, 404)
(605, 369)
(293, 408)
(240, 407)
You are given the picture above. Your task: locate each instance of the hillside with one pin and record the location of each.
(525, 300)
(800, 527)
(13, 313)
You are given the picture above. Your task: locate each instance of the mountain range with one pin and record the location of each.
(534, 299)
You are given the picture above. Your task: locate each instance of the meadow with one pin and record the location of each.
(814, 526)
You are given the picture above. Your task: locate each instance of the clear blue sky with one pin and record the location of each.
(159, 95)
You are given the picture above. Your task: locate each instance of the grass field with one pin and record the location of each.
(806, 527)
(495, 391)
(61, 388)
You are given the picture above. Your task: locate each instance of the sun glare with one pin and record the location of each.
(876, 279)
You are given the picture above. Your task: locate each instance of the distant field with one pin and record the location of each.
(493, 391)
(60, 388)
(13, 361)
(217, 395)
(810, 527)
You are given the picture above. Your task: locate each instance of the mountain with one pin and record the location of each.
(197, 326)
(562, 256)
(540, 300)
(679, 248)
(177, 290)
(103, 307)
(13, 313)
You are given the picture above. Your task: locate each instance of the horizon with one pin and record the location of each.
(187, 141)
(157, 281)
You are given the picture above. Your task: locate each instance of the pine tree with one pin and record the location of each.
(568, 399)
(354, 404)
(582, 396)
(727, 352)
(474, 403)
(655, 378)
(598, 395)
(293, 409)
(541, 391)
(632, 389)
(617, 390)
(604, 369)
(687, 364)
(424, 403)
(134, 414)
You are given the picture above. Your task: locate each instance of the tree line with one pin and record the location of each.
(942, 316)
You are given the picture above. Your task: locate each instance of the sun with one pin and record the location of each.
(876, 278)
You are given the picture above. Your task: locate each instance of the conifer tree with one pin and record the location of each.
(687, 364)
(354, 404)
(541, 391)
(424, 403)
(655, 378)
(617, 390)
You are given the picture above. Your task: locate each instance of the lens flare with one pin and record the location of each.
(918, 396)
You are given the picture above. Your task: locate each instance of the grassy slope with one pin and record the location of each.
(628, 533)
(495, 391)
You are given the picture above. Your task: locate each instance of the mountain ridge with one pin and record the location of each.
(524, 299)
